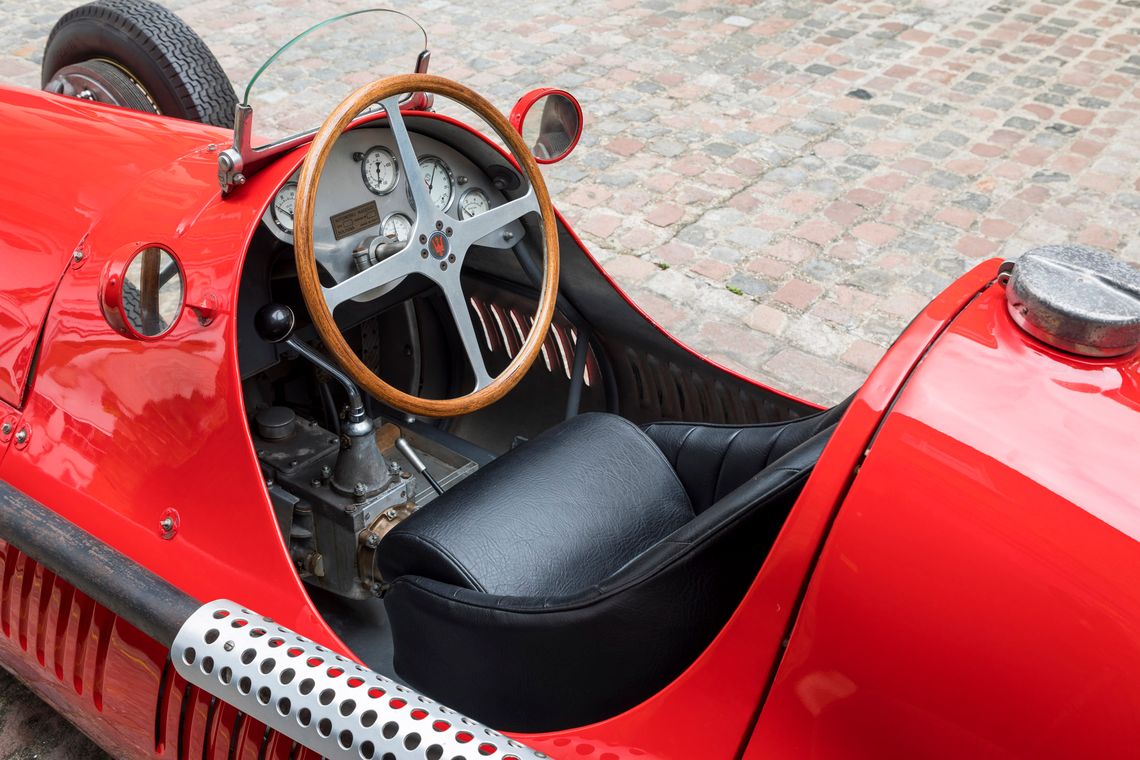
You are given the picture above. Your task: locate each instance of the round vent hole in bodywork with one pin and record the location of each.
(304, 716)
(324, 727)
(347, 707)
(326, 697)
(368, 718)
(264, 695)
(367, 750)
(207, 665)
(225, 675)
(212, 635)
(189, 656)
(267, 665)
(284, 705)
(411, 741)
(434, 752)
(345, 738)
(287, 675)
(390, 729)
(306, 686)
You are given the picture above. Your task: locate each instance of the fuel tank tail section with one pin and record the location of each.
(323, 701)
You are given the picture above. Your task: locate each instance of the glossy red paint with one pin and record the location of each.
(121, 430)
(709, 710)
(50, 206)
(979, 594)
(111, 680)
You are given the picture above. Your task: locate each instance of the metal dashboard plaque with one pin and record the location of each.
(355, 219)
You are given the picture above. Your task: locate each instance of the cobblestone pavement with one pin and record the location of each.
(785, 184)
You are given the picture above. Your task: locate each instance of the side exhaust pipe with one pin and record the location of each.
(321, 700)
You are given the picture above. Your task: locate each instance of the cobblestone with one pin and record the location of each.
(809, 173)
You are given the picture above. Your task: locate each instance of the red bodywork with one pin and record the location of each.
(958, 577)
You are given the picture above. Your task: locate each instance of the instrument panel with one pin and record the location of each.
(364, 192)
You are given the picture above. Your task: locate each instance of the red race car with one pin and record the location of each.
(337, 442)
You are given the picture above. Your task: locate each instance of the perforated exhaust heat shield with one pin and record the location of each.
(321, 700)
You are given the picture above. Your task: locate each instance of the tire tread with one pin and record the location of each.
(200, 85)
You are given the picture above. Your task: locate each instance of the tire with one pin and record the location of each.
(158, 51)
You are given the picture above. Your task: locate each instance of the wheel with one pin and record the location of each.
(137, 54)
(436, 247)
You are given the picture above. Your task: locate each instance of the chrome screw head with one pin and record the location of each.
(22, 436)
(6, 428)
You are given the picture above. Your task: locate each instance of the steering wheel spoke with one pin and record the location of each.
(411, 164)
(388, 271)
(469, 231)
(461, 313)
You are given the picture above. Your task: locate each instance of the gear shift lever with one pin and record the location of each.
(360, 467)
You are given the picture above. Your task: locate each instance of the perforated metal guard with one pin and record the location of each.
(322, 700)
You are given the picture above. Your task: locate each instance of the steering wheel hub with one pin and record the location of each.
(438, 245)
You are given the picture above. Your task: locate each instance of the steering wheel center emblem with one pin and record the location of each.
(439, 245)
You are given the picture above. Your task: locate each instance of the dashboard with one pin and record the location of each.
(364, 193)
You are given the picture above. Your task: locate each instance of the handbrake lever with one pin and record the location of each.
(417, 463)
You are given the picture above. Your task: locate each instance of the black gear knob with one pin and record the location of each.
(274, 322)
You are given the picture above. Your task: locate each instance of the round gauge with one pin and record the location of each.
(440, 182)
(397, 226)
(380, 170)
(472, 203)
(282, 208)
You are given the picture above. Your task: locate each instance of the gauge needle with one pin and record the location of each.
(434, 169)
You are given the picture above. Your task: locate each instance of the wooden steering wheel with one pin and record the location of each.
(436, 247)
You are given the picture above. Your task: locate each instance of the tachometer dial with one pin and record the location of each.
(380, 170)
(397, 226)
(282, 208)
(473, 202)
(439, 179)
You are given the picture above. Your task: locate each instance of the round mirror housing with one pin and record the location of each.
(143, 297)
(550, 122)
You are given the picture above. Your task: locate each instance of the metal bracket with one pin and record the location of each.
(321, 700)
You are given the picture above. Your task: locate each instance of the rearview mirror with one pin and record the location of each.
(550, 122)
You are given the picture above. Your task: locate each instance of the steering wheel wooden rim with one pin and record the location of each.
(313, 291)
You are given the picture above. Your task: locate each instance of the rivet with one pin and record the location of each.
(212, 147)
(423, 240)
(423, 253)
(451, 258)
(6, 428)
(438, 225)
(22, 436)
(77, 256)
(447, 232)
(508, 235)
(443, 265)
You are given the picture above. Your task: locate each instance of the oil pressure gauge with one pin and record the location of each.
(282, 208)
(380, 170)
(398, 227)
(473, 202)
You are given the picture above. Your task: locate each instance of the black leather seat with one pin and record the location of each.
(580, 573)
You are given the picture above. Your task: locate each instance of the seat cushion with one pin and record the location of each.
(555, 516)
